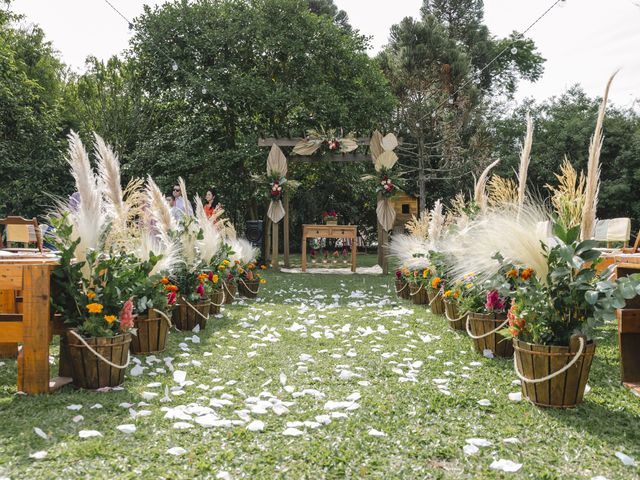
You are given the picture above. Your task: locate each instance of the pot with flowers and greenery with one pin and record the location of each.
(437, 283)
(330, 217)
(452, 297)
(419, 281)
(193, 302)
(402, 283)
(554, 316)
(250, 281)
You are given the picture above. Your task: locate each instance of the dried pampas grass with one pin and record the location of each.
(593, 171)
(479, 192)
(411, 252)
(436, 222)
(568, 197)
(502, 192)
(419, 227)
(212, 238)
(525, 158)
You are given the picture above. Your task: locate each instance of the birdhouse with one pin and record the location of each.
(405, 206)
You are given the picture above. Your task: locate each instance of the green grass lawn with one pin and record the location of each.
(309, 342)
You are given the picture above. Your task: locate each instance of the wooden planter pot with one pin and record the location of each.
(249, 289)
(230, 292)
(218, 298)
(152, 333)
(418, 294)
(402, 289)
(331, 222)
(451, 311)
(436, 302)
(91, 372)
(485, 327)
(186, 318)
(564, 390)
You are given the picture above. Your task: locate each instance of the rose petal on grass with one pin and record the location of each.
(127, 428)
(484, 402)
(505, 465)
(376, 433)
(74, 407)
(515, 396)
(256, 426)
(177, 451)
(89, 433)
(40, 433)
(292, 432)
(470, 449)
(626, 459)
(38, 455)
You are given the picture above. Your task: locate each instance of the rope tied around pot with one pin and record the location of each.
(477, 337)
(195, 309)
(402, 289)
(554, 374)
(224, 296)
(438, 295)
(417, 291)
(446, 314)
(108, 362)
(247, 287)
(227, 291)
(164, 316)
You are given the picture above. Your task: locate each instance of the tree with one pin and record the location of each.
(440, 68)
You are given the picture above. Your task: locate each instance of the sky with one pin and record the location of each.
(583, 41)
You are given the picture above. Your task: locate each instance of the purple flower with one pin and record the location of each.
(494, 301)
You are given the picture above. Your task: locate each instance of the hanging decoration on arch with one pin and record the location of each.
(326, 139)
(277, 175)
(384, 159)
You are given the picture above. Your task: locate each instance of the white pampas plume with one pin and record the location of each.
(109, 175)
(187, 205)
(243, 251)
(87, 219)
(514, 236)
(593, 171)
(436, 223)
(480, 194)
(411, 252)
(212, 237)
(157, 209)
(158, 245)
(525, 158)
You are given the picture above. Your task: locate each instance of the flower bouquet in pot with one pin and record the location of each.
(452, 296)
(193, 302)
(554, 316)
(402, 283)
(330, 217)
(436, 285)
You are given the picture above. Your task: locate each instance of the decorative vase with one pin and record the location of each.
(418, 294)
(151, 336)
(566, 385)
(92, 372)
(483, 329)
(249, 288)
(435, 301)
(217, 299)
(456, 321)
(230, 292)
(187, 314)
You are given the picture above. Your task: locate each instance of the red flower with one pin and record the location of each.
(200, 290)
(210, 276)
(126, 316)
(171, 298)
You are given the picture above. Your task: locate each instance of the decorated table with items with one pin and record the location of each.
(329, 231)
(30, 274)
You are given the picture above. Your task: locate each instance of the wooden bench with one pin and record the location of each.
(34, 328)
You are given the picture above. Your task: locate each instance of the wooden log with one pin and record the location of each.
(452, 311)
(267, 241)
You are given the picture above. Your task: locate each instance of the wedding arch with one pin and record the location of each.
(341, 149)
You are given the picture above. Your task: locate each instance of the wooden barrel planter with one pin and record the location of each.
(186, 317)
(248, 289)
(152, 333)
(218, 298)
(554, 376)
(107, 368)
(418, 294)
(230, 292)
(451, 311)
(436, 303)
(483, 329)
(402, 289)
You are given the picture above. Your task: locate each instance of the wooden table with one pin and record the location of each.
(629, 326)
(33, 328)
(330, 231)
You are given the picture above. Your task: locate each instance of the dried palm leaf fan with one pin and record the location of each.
(315, 139)
(593, 171)
(276, 167)
(384, 159)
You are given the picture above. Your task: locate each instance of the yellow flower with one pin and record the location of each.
(221, 268)
(435, 283)
(110, 319)
(448, 293)
(425, 273)
(469, 286)
(91, 295)
(94, 308)
(226, 262)
(240, 270)
(215, 279)
(263, 267)
(263, 281)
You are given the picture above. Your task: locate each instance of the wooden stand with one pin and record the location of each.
(33, 328)
(629, 327)
(330, 231)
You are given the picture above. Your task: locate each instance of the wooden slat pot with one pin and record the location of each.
(402, 289)
(218, 298)
(418, 294)
(91, 372)
(481, 324)
(538, 361)
(453, 315)
(230, 292)
(186, 318)
(152, 333)
(248, 289)
(436, 303)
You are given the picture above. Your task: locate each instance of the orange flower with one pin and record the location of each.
(435, 282)
(91, 295)
(513, 273)
(263, 267)
(456, 295)
(425, 273)
(448, 294)
(171, 288)
(164, 280)
(94, 307)
(251, 266)
(110, 319)
(202, 277)
(237, 262)
(526, 273)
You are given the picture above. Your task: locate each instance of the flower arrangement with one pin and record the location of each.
(328, 140)
(330, 216)
(276, 183)
(387, 184)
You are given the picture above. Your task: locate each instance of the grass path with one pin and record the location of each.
(371, 386)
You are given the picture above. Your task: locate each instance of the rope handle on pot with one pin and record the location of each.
(446, 314)
(111, 364)
(402, 289)
(196, 310)
(436, 297)
(247, 287)
(165, 316)
(554, 374)
(221, 302)
(477, 337)
(417, 291)
(225, 287)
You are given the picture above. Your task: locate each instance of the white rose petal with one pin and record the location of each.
(127, 428)
(89, 433)
(505, 465)
(40, 433)
(626, 459)
(38, 455)
(376, 433)
(292, 432)
(256, 426)
(470, 449)
(177, 451)
(484, 402)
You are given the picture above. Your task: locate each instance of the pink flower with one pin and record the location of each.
(171, 298)
(494, 301)
(210, 276)
(200, 290)
(126, 316)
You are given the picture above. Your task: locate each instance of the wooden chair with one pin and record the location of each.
(613, 230)
(17, 230)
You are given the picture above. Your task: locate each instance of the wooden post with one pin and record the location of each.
(354, 250)
(380, 238)
(287, 262)
(304, 249)
(267, 240)
(385, 260)
(8, 305)
(274, 243)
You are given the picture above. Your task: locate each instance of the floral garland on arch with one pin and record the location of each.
(328, 139)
